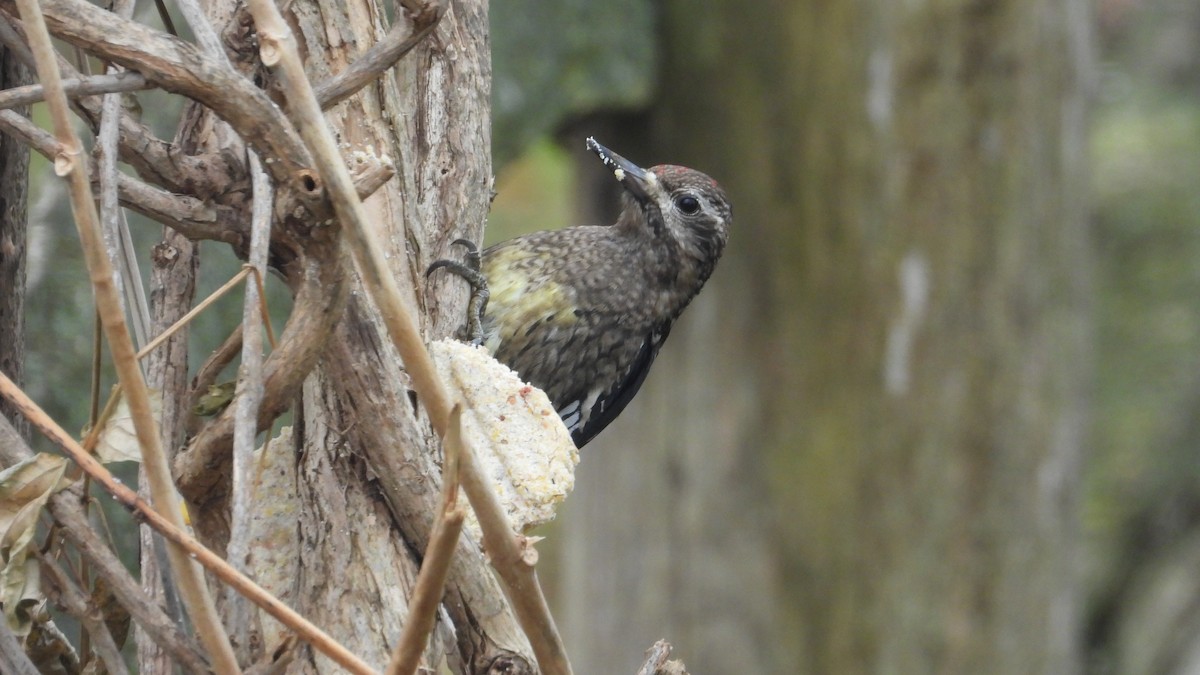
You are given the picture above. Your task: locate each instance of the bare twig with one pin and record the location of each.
(370, 178)
(277, 661)
(85, 86)
(431, 580)
(320, 641)
(264, 313)
(249, 396)
(155, 160)
(512, 557)
(67, 511)
(113, 227)
(222, 356)
(180, 67)
(195, 311)
(192, 217)
(73, 164)
(174, 263)
(165, 17)
(382, 55)
(76, 604)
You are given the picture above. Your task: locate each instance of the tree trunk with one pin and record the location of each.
(174, 263)
(342, 503)
(14, 185)
(359, 479)
(891, 359)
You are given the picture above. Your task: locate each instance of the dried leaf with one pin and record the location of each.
(118, 441)
(24, 489)
(21, 593)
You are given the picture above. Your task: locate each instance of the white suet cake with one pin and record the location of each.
(520, 443)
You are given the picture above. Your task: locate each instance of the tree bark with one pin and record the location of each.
(14, 186)
(345, 499)
(891, 358)
(363, 469)
(174, 264)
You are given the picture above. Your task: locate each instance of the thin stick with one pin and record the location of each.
(67, 512)
(320, 641)
(93, 424)
(77, 87)
(382, 55)
(431, 580)
(93, 435)
(114, 228)
(510, 556)
(97, 363)
(77, 605)
(263, 310)
(165, 16)
(73, 164)
(222, 356)
(249, 394)
(195, 311)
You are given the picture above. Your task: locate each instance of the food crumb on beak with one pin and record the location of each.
(620, 174)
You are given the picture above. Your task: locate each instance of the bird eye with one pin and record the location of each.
(688, 204)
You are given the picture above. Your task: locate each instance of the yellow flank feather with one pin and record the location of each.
(524, 294)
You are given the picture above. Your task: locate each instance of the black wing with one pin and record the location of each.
(610, 403)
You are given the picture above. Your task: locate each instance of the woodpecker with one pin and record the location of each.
(581, 312)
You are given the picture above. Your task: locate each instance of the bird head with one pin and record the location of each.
(678, 206)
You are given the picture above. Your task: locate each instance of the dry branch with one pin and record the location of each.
(191, 217)
(182, 68)
(382, 55)
(320, 641)
(72, 163)
(431, 581)
(248, 397)
(511, 558)
(77, 605)
(155, 160)
(86, 86)
(67, 511)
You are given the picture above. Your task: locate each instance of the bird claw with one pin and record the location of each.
(470, 271)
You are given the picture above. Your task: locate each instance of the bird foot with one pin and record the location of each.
(469, 270)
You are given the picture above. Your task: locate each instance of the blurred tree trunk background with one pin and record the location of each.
(860, 450)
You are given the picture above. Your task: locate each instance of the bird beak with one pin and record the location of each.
(635, 179)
